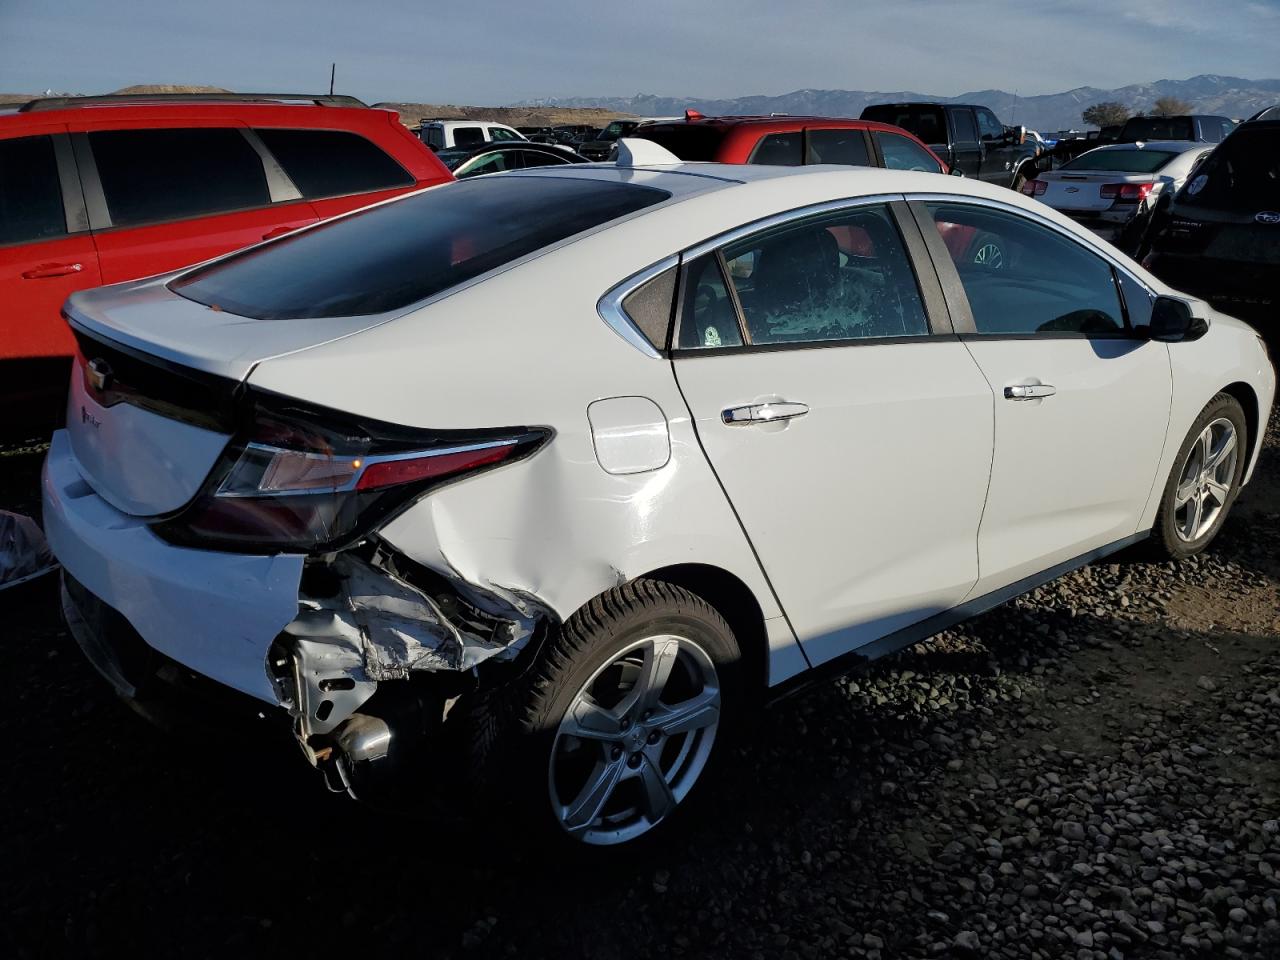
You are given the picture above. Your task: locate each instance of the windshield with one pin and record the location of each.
(392, 255)
(1242, 174)
(453, 158)
(1120, 161)
(692, 143)
(1158, 128)
(619, 128)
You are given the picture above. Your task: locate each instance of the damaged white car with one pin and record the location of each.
(536, 483)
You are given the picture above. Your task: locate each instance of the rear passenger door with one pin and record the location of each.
(46, 251)
(160, 197)
(966, 148)
(851, 431)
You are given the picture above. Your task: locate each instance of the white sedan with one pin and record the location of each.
(562, 472)
(1109, 186)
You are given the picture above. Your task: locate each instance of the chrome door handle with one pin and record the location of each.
(770, 412)
(1029, 391)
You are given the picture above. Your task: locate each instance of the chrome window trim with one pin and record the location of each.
(610, 306)
(972, 201)
(778, 219)
(365, 463)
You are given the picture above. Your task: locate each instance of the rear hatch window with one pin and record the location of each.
(1121, 161)
(1242, 175)
(390, 256)
(695, 144)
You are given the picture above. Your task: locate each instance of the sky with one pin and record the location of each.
(491, 53)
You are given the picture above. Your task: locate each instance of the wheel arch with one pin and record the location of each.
(734, 601)
(1247, 397)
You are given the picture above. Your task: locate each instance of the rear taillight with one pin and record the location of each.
(1035, 188)
(1126, 192)
(290, 485)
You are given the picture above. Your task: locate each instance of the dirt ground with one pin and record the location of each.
(1092, 771)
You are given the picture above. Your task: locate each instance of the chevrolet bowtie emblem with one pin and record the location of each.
(99, 373)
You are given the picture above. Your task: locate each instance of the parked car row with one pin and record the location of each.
(97, 190)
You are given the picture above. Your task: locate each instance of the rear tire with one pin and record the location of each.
(1204, 482)
(619, 725)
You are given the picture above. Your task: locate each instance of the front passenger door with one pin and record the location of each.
(1081, 396)
(998, 152)
(851, 431)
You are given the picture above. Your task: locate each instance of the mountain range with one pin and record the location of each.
(1208, 93)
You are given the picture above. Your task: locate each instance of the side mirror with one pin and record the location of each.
(1172, 321)
(957, 172)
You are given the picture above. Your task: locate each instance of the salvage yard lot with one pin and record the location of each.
(1091, 771)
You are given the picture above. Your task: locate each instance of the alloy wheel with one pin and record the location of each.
(1204, 483)
(634, 740)
(989, 255)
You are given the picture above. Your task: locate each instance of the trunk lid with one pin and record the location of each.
(153, 391)
(1083, 191)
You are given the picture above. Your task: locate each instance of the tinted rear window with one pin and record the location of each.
(1126, 161)
(30, 195)
(927, 123)
(1158, 128)
(332, 163)
(390, 256)
(1242, 174)
(688, 142)
(151, 175)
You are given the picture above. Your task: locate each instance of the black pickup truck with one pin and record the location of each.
(967, 137)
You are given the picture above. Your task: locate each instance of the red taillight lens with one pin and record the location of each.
(1035, 188)
(298, 488)
(1126, 192)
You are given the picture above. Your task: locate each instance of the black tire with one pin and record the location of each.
(515, 726)
(1165, 540)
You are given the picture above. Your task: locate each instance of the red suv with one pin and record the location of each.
(97, 190)
(791, 141)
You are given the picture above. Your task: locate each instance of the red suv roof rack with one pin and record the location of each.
(62, 103)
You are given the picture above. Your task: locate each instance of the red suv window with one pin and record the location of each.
(331, 163)
(30, 195)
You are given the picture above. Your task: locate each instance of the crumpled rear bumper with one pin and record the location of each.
(216, 613)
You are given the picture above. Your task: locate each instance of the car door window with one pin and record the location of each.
(153, 175)
(966, 130)
(433, 137)
(333, 163)
(846, 276)
(902, 153)
(1024, 278)
(846, 146)
(708, 317)
(780, 150)
(30, 195)
(988, 126)
(498, 134)
(467, 136)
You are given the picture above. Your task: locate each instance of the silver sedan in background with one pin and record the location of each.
(1117, 186)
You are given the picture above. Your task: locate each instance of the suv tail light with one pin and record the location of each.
(1126, 192)
(1035, 188)
(313, 481)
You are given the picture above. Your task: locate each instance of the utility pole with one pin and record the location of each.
(333, 69)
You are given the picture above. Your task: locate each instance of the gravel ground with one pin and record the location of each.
(1092, 771)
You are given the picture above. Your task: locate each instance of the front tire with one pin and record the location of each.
(622, 719)
(1205, 480)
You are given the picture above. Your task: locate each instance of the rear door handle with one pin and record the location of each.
(1029, 391)
(770, 412)
(47, 270)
